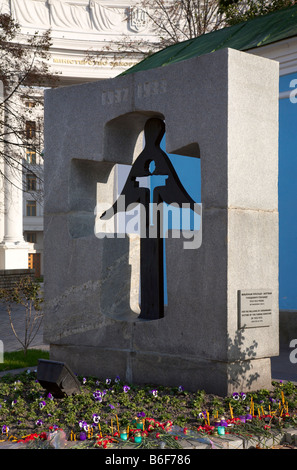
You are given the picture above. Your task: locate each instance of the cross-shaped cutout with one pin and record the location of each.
(166, 188)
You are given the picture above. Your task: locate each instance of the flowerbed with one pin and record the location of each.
(110, 412)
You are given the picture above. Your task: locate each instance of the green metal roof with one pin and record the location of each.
(257, 32)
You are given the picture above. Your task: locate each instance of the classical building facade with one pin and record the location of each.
(90, 41)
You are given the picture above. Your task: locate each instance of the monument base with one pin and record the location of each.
(192, 373)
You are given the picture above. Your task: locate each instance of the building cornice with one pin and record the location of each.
(284, 52)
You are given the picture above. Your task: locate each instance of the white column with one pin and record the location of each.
(1, 170)
(13, 248)
(13, 200)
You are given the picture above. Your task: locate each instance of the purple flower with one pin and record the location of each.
(180, 388)
(111, 407)
(236, 396)
(108, 381)
(39, 422)
(141, 415)
(117, 379)
(97, 395)
(5, 429)
(154, 392)
(42, 404)
(84, 380)
(126, 388)
(243, 396)
(50, 396)
(83, 425)
(96, 418)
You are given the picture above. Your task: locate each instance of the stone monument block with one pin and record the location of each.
(222, 108)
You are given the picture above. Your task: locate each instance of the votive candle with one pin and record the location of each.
(221, 430)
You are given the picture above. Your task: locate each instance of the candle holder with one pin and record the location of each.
(137, 437)
(138, 424)
(124, 435)
(221, 430)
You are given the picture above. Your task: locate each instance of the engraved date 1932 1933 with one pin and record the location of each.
(143, 90)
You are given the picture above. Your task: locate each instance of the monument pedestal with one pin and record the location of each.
(216, 107)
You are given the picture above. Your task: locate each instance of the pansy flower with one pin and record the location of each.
(126, 388)
(108, 381)
(236, 396)
(154, 392)
(97, 395)
(117, 379)
(180, 388)
(82, 424)
(96, 418)
(42, 404)
(5, 429)
(39, 422)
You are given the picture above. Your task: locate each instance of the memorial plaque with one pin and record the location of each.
(254, 308)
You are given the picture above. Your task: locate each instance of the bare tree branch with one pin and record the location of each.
(24, 68)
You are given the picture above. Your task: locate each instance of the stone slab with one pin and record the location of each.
(230, 121)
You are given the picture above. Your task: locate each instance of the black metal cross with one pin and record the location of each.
(152, 161)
